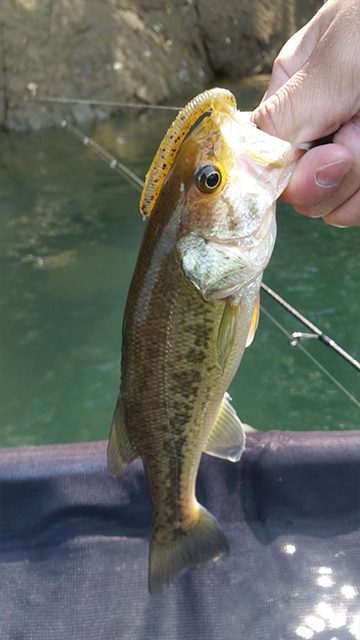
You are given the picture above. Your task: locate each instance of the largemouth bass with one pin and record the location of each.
(192, 308)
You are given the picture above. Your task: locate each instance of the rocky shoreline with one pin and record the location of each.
(121, 50)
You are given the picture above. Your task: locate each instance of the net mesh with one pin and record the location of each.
(74, 545)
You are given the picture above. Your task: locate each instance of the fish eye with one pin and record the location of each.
(208, 178)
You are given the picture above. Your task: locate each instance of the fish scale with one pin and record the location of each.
(192, 309)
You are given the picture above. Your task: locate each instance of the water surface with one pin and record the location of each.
(69, 237)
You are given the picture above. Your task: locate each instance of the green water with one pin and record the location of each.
(68, 243)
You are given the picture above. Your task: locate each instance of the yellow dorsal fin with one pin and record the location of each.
(220, 99)
(227, 438)
(254, 322)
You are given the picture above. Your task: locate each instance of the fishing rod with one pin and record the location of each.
(113, 162)
(298, 336)
(294, 338)
(314, 360)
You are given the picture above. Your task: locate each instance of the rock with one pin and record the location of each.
(247, 37)
(121, 50)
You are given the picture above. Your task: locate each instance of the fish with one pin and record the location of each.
(192, 308)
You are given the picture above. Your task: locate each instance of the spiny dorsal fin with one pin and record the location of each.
(254, 322)
(227, 438)
(120, 450)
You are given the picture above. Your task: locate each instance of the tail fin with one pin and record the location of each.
(203, 544)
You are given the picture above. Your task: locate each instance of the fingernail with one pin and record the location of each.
(330, 175)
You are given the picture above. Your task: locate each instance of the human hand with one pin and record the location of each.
(314, 92)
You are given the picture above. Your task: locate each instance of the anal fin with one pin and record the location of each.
(120, 451)
(227, 437)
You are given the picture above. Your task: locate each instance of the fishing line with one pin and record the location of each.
(329, 342)
(33, 87)
(108, 103)
(112, 162)
(121, 168)
(313, 359)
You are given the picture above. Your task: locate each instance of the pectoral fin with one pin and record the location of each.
(227, 438)
(227, 331)
(120, 450)
(254, 322)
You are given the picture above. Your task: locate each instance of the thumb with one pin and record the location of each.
(303, 109)
(321, 92)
